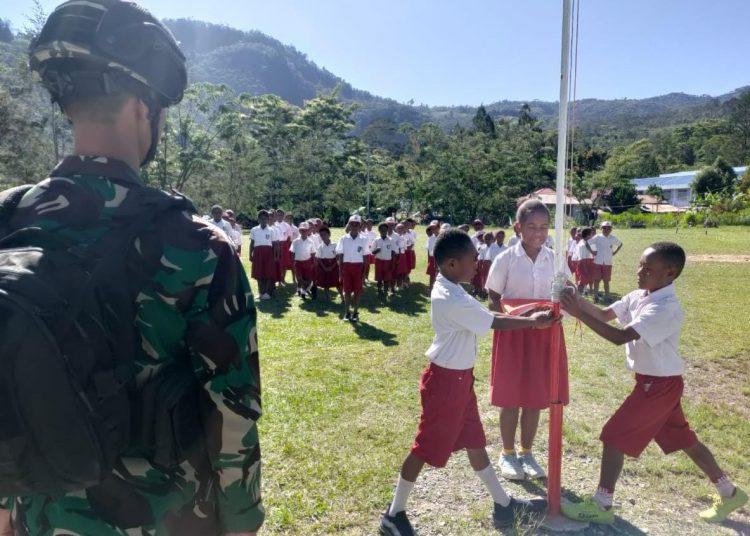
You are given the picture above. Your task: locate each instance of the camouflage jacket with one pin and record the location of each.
(200, 305)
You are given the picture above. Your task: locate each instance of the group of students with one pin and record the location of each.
(590, 256)
(277, 245)
(519, 283)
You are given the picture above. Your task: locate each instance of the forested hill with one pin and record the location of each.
(257, 63)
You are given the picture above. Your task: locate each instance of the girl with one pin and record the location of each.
(519, 381)
(432, 233)
(326, 267)
(585, 261)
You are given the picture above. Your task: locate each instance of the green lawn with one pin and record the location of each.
(341, 405)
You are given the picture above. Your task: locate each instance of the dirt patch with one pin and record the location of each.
(722, 382)
(719, 258)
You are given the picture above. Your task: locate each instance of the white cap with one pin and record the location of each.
(355, 218)
(605, 224)
(434, 223)
(304, 226)
(445, 226)
(390, 219)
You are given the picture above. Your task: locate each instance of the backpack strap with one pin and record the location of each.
(9, 200)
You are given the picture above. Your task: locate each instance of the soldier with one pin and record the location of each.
(113, 68)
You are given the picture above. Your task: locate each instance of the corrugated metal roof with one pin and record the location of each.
(674, 181)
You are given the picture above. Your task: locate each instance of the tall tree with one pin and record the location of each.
(483, 122)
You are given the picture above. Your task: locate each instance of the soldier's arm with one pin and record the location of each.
(222, 334)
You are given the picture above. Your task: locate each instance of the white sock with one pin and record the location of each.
(603, 497)
(724, 486)
(489, 477)
(403, 489)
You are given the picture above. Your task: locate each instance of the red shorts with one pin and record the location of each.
(450, 416)
(484, 271)
(601, 272)
(351, 276)
(305, 269)
(402, 265)
(264, 266)
(651, 411)
(431, 266)
(383, 270)
(584, 271)
(330, 277)
(286, 255)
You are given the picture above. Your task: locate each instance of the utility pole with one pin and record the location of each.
(369, 151)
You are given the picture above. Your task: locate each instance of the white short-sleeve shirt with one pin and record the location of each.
(513, 241)
(326, 251)
(657, 317)
(571, 246)
(353, 249)
(583, 252)
(514, 275)
(458, 321)
(431, 245)
(604, 246)
(262, 236)
(386, 247)
(482, 250)
(494, 250)
(302, 249)
(294, 230)
(399, 243)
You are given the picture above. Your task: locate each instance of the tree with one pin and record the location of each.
(739, 122)
(622, 197)
(483, 122)
(6, 33)
(709, 180)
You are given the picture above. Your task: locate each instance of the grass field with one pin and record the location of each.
(341, 406)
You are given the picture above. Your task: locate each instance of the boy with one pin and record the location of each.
(302, 253)
(432, 233)
(570, 249)
(262, 255)
(651, 318)
(585, 266)
(326, 267)
(351, 251)
(450, 418)
(607, 245)
(383, 250)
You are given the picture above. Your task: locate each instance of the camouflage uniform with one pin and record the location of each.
(198, 305)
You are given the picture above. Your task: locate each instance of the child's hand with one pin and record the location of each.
(569, 299)
(544, 319)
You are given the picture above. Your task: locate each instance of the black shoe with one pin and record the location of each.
(314, 292)
(355, 317)
(397, 525)
(517, 511)
(347, 317)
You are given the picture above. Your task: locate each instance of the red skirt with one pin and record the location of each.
(584, 271)
(411, 256)
(431, 267)
(520, 376)
(328, 279)
(402, 265)
(476, 281)
(264, 265)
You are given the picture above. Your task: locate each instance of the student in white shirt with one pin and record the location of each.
(496, 248)
(606, 245)
(651, 320)
(351, 250)
(450, 419)
(432, 234)
(570, 249)
(402, 261)
(218, 221)
(383, 250)
(293, 233)
(302, 252)
(262, 240)
(585, 267)
(284, 232)
(327, 274)
(369, 233)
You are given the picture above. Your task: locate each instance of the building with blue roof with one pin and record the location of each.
(677, 186)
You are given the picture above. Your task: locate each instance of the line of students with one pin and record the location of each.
(590, 258)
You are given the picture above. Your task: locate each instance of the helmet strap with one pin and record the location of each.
(153, 117)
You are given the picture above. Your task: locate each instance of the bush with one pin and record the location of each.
(634, 219)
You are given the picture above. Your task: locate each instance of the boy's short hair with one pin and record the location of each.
(383, 226)
(529, 207)
(671, 254)
(586, 232)
(324, 229)
(94, 108)
(262, 212)
(452, 244)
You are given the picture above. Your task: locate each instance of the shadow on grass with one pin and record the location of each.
(740, 527)
(411, 301)
(371, 333)
(279, 302)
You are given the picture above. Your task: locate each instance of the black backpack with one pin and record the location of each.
(67, 348)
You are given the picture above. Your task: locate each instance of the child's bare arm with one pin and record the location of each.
(538, 320)
(597, 319)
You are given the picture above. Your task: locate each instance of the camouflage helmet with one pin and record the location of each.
(98, 47)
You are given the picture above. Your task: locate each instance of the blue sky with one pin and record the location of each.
(442, 52)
